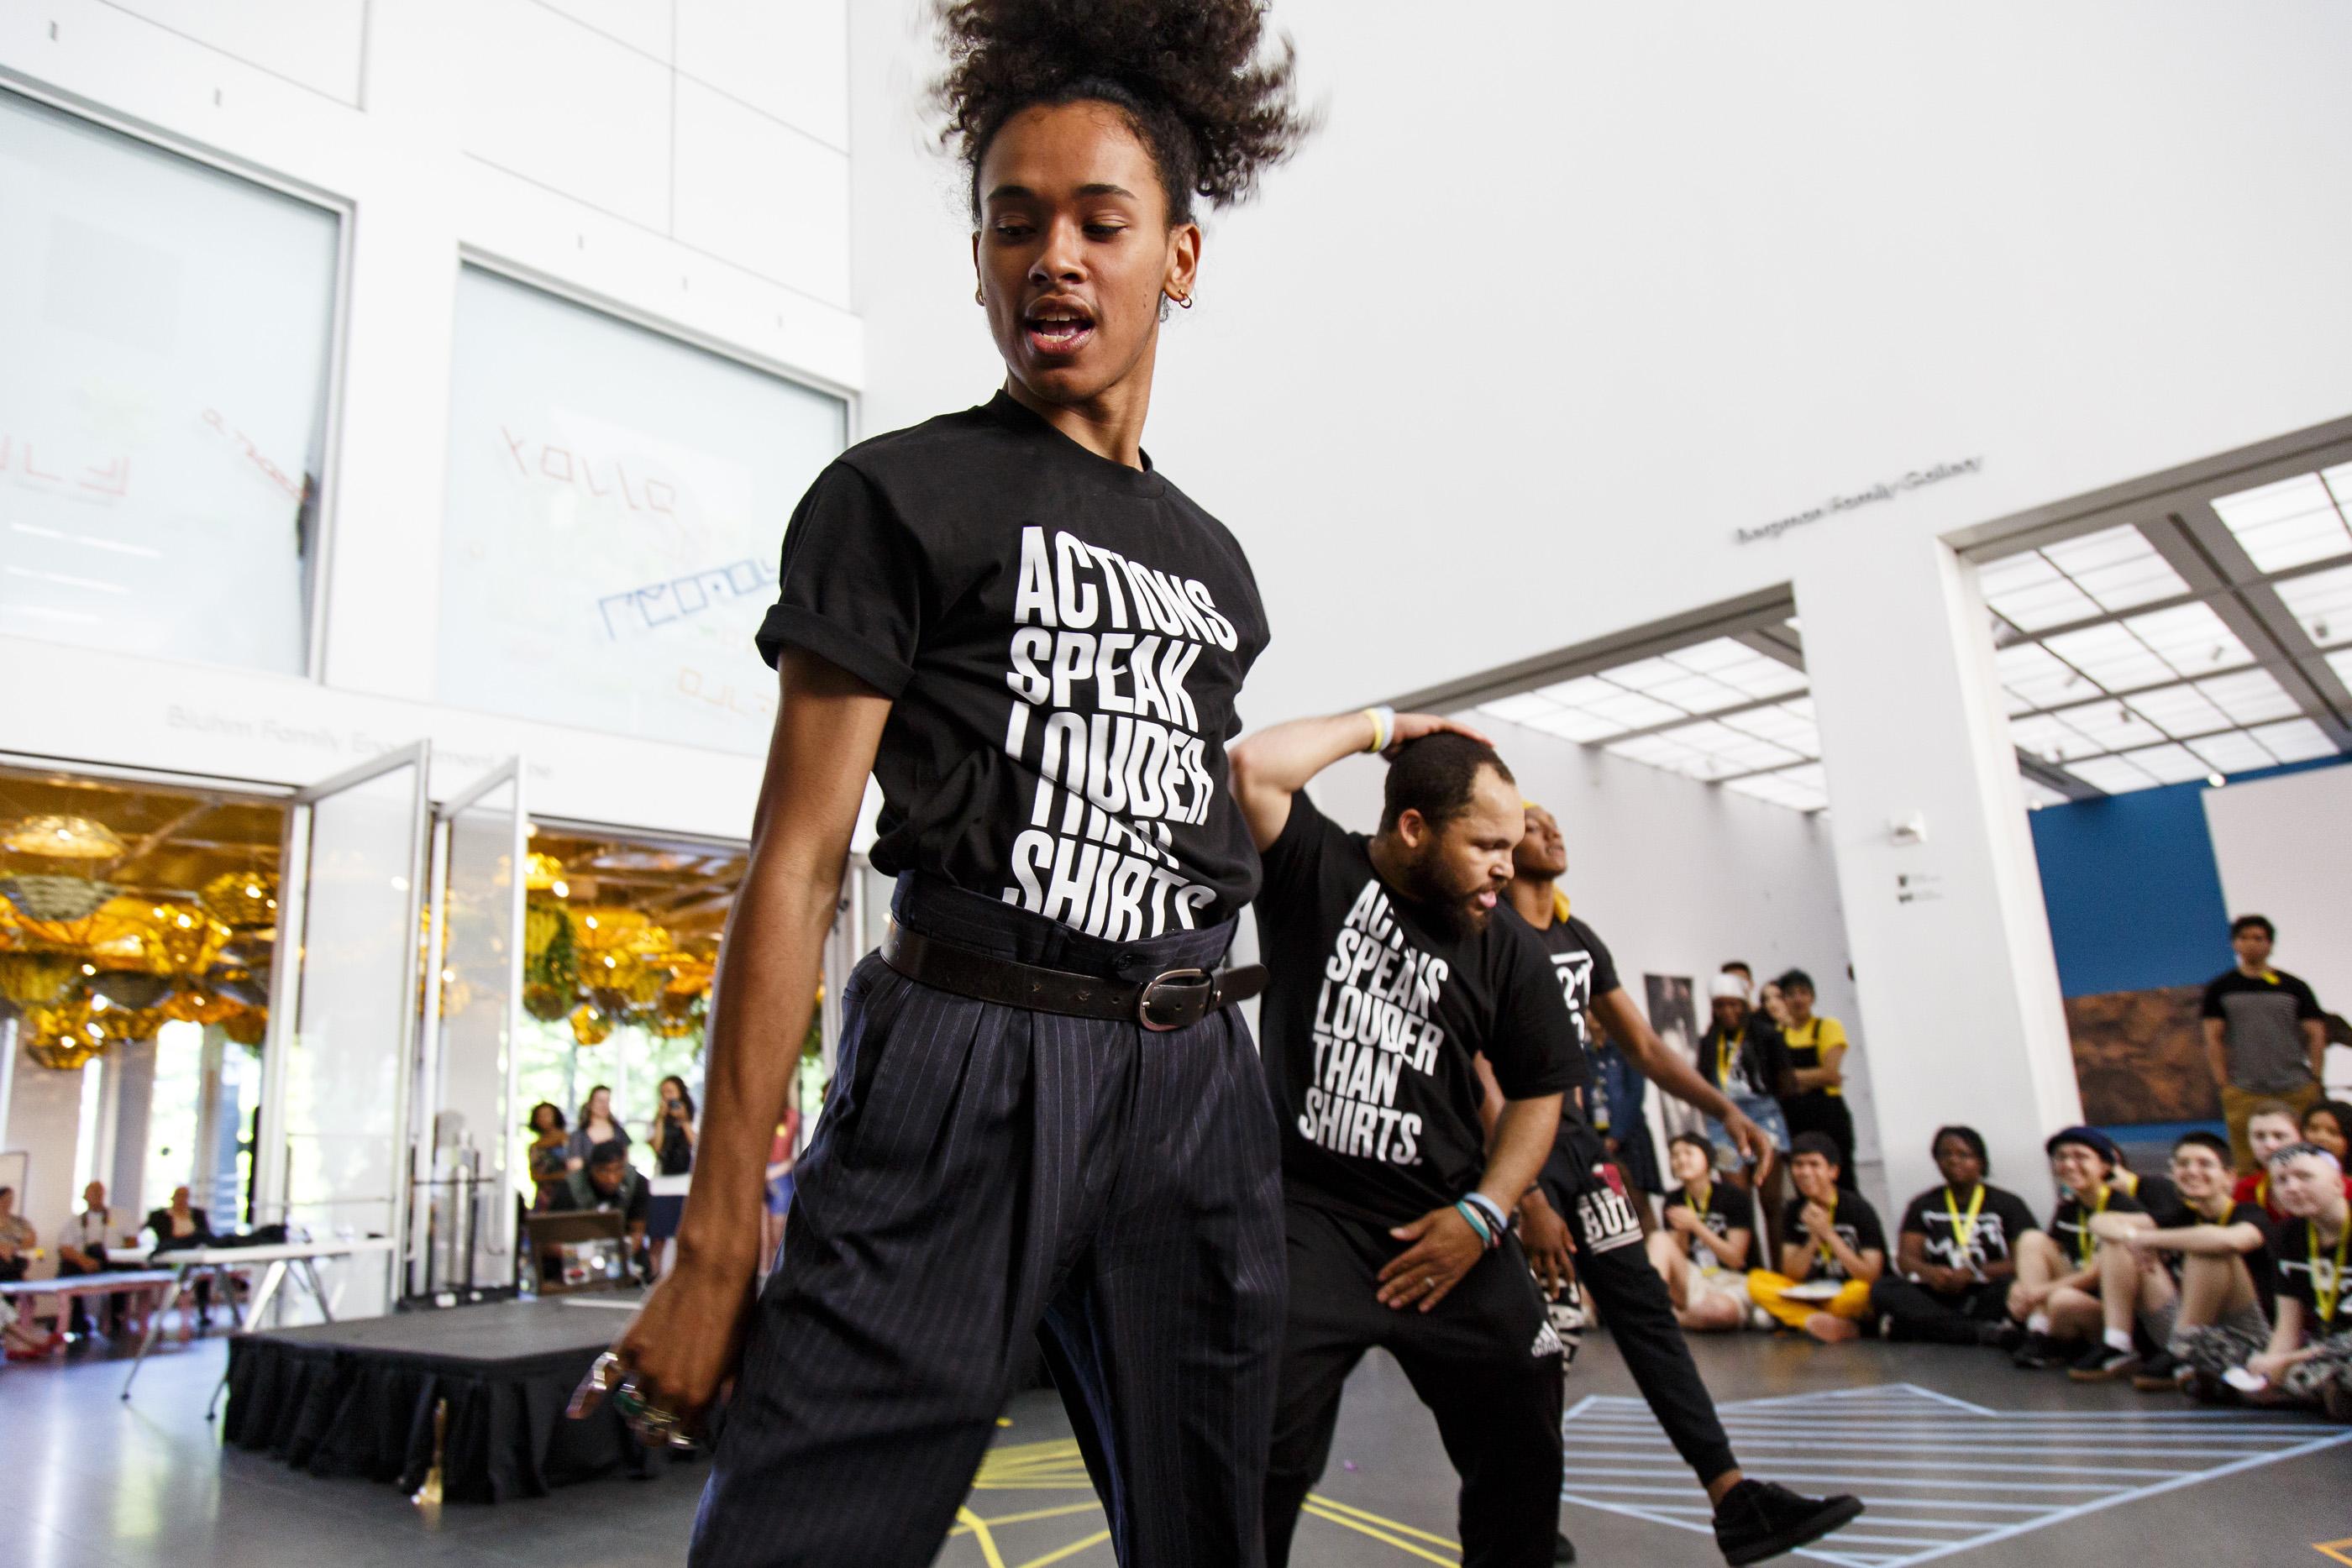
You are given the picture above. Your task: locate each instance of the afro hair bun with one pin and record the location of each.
(1188, 74)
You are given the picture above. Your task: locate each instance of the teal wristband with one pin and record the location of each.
(1478, 1223)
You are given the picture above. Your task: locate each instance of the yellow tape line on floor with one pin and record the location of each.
(1324, 1509)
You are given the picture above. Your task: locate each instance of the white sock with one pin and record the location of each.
(2119, 1339)
(2038, 1323)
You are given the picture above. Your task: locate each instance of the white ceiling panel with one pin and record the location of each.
(2322, 602)
(2033, 594)
(2169, 764)
(2111, 656)
(2179, 711)
(2249, 696)
(2113, 774)
(2117, 567)
(2190, 638)
(2297, 740)
(2292, 523)
(2111, 726)
(2236, 752)
(2039, 678)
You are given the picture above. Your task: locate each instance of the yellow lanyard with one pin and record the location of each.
(1964, 1230)
(1727, 1048)
(2085, 1242)
(1828, 1256)
(2262, 1192)
(2326, 1297)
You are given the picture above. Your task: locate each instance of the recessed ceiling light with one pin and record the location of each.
(2215, 779)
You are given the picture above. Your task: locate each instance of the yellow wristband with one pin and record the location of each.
(1383, 724)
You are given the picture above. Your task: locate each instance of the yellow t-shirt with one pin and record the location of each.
(1806, 1043)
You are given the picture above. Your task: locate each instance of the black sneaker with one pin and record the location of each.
(2102, 1363)
(2003, 1335)
(2038, 1352)
(1756, 1519)
(1563, 1549)
(2159, 1373)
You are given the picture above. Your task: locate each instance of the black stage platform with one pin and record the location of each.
(358, 1398)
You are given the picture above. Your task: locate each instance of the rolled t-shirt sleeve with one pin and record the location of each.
(2212, 1007)
(2307, 1003)
(851, 588)
(1604, 968)
(1290, 863)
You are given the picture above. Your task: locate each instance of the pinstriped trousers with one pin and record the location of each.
(983, 1175)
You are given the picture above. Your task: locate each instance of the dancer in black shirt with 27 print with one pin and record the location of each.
(1033, 642)
(1577, 1184)
(1387, 974)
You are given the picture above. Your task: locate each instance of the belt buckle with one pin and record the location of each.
(1150, 1008)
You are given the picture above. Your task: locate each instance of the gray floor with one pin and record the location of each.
(2052, 1473)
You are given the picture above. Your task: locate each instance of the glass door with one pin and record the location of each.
(462, 1212)
(342, 1015)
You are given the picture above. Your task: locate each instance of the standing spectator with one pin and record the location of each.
(1737, 969)
(2265, 1035)
(550, 1153)
(1833, 1235)
(672, 1136)
(1817, 1048)
(2197, 1271)
(1621, 1115)
(1701, 1250)
(673, 1129)
(2308, 1357)
(81, 1249)
(1773, 1005)
(17, 1238)
(1744, 1056)
(598, 1126)
(1955, 1252)
(2328, 1123)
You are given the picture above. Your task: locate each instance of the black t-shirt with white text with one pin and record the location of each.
(1580, 962)
(1370, 1018)
(1062, 638)
(2070, 1224)
(1724, 1211)
(1944, 1218)
(1855, 1222)
(2296, 1248)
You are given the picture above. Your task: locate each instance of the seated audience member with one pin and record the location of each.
(1833, 1235)
(1744, 1056)
(2179, 1276)
(2327, 1124)
(1954, 1252)
(1701, 1250)
(2056, 1293)
(17, 1238)
(81, 1250)
(2308, 1359)
(2270, 1127)
(611, 1183)
(180, 1226)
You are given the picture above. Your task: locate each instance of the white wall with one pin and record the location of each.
(1564, 295)
(2283, 851)
(686, 161)
(1678, 877)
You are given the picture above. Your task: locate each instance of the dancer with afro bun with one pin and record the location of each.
(1048, 1121)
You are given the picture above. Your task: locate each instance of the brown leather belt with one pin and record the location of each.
(1171, 999)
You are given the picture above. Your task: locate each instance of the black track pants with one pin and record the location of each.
(1921, 1313)
(1616, 1273)
(1484, 1360)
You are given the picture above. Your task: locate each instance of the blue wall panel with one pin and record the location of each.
(2132, 889)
